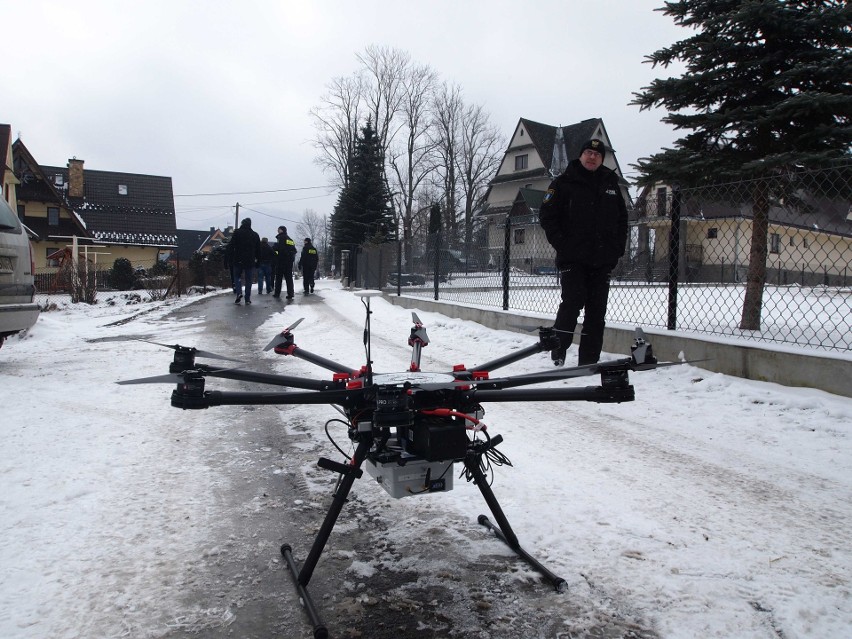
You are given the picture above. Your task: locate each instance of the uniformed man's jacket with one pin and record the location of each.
(309, 259)
(285, 250)
(584, 217)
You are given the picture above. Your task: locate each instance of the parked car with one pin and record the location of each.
(406, 279)
(18, 311)
(449, 261)
(544, 270)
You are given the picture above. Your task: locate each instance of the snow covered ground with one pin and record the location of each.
(709, 507)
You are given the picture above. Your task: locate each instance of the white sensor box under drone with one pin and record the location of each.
(415, 477)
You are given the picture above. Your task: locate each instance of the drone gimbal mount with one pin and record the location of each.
(404, 425)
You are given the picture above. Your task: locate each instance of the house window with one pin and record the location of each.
(52, 251)
(521, 162)
(53, 216)
(520, 236)
(661, 200)
(712, 233)
(792, 241)
(58, 180)
(21, 212)
(122, 189)
(775, 243)
(805, 243)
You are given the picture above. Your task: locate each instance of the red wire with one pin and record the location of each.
(447, 412)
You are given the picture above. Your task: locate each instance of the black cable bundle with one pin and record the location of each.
(487, 460)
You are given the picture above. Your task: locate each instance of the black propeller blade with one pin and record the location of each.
(283, 336)
(174, 378)
(530, 329)
(191, 350)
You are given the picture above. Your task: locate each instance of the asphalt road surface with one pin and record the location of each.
(269, 491)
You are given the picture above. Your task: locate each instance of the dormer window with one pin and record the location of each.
(122, 189)
(58, 180)
(521, 162)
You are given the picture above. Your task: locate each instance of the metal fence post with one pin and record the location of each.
(674, 258)
(437, 265)
(399, 268)
(506, 260)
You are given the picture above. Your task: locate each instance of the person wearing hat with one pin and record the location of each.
(285, 253)
(308, 262)
(243, 252)
(584, 217)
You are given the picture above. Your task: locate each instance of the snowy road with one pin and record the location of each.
(709, 507)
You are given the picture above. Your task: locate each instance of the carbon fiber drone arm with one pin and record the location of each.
(547, 340)
(267, 378)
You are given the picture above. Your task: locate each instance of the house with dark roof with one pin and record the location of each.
(43, 210)
(536, 154)
(190, 241)
(809, 235)
(126, 215)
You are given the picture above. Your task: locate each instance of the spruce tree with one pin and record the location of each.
(363, 210)
(766, 88)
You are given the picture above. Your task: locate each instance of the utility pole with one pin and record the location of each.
(237, 217)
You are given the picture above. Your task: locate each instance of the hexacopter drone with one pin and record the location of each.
(410, 428)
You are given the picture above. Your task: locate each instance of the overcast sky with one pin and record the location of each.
(217, 94)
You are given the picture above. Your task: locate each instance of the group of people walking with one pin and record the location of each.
(246, 252)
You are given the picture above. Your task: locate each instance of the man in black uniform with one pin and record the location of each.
(285, 252)
(584, 217)
(308, 262)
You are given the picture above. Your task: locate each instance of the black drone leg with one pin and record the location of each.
(505, 532)
(302, 577)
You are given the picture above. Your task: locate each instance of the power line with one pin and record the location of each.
(274, 217)
(301, 188)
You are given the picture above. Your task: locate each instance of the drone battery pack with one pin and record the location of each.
(435, 440)
(414, 477)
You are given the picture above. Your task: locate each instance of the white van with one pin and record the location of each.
(18, 311)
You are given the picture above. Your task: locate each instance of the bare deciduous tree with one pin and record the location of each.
(434, 148)
(315, 226)
(410, 160)
(312, 225)
(448, 111)
(479, 154)
(336, 121)
(386, 70)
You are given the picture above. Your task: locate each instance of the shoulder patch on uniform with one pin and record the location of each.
(548, 196)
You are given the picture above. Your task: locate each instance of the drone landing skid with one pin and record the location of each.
(352, 471)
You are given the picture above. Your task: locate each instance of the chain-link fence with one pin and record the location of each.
(86, 281)
(763, 260)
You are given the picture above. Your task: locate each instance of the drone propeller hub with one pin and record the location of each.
(285, 349)
(479, 375)
(354, 384)
(458, 368)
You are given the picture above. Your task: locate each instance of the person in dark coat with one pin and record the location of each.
(243, 252)
(584, 217)
(308, 262)
(285, 254)
(264, 266)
